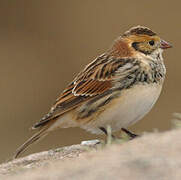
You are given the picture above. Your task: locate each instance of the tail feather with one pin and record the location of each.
(42, 133)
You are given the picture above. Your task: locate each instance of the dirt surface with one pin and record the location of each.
(155, 156)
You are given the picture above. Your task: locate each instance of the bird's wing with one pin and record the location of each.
(95, 79)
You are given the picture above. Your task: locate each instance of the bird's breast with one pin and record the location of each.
(123, 111)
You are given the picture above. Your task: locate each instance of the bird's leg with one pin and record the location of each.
(105, 131)
(130, 134)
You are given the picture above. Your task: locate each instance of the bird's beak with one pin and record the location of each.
(164, 44)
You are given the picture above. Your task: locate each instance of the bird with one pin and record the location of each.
(116, 89)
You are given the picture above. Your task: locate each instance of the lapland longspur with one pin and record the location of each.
(117, 89)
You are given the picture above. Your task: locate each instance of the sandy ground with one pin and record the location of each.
(154, 156)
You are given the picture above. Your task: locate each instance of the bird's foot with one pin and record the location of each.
(130, 134)
(111, 139)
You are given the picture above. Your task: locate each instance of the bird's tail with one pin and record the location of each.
(39, 135)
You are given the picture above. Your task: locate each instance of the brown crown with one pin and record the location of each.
(139, 30)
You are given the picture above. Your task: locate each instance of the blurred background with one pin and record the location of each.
(44, 44)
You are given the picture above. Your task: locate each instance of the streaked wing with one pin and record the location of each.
(95, 79)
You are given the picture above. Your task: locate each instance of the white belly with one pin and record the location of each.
(130, 107)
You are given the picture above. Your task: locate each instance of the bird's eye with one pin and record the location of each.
(151, 42)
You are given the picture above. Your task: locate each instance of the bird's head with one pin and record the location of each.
(139, 40)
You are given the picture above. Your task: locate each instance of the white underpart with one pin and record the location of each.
(153, 56)
(132, 105)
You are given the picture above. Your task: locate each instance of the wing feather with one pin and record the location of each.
(95, 79)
